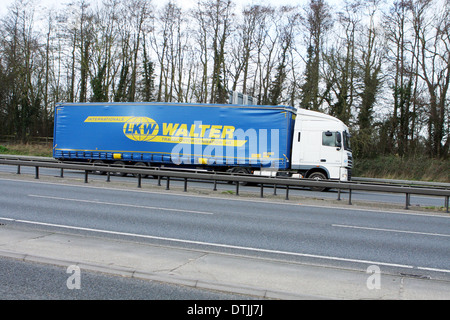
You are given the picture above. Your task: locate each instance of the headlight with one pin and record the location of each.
(344, 174)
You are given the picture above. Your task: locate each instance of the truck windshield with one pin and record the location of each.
(347, 145)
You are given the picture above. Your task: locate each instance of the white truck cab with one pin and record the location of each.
(321, 147)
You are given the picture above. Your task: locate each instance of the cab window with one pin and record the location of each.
(329, 139)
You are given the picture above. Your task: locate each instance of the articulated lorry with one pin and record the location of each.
(261, 140)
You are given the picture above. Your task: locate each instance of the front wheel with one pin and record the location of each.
(318, 176)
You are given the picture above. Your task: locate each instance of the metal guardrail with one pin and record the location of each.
(226, 177)
(402, 182)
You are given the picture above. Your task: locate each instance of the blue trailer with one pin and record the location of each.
(233, 138)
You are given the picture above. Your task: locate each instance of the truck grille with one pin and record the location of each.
(350, 160)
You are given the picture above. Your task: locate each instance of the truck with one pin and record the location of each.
(241, 139)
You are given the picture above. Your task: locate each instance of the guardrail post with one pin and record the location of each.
(446, 203)
(407, 201)
(185, 184)
(86, 173)
(108, 176)
(61, 174)
(408, 191)
(139, 180)
(167, 183)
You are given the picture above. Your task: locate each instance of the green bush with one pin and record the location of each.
(27, 149)
(3, 149)
(408, 168)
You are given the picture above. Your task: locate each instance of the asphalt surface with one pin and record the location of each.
(376, 198)
(264, 247)
(22, 280)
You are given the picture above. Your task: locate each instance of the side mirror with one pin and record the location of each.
(338, 140)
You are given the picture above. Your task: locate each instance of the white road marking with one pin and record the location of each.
(218, 245)
(391, 230)
(119, 204)
(215, 244)
(237, 199)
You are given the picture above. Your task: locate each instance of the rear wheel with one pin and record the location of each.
(241, 170)
(97, 171)
(139, 165)
(119, 164)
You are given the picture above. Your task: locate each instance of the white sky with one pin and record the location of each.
(4, 4)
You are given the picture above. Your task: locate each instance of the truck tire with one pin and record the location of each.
(139, 165)
(99, 172)
(119, 164)
(241, 170)
(318, 176)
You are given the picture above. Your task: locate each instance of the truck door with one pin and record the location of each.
(330, 154)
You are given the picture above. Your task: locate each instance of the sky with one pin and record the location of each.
(4, 4)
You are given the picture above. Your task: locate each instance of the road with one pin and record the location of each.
(416, 201)
(400, 243)
(36, 281)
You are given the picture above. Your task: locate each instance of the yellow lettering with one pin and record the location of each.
(169, 128)
(182, 130)
(204, 128)
(192, 132)
(215, 132)
(228, 132)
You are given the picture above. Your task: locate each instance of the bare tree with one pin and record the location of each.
(317, 21)
(287, 31)
(370, 64)
(105, 54)
(397, 32)
(434, 67)
(340, 63)
(22, 65)
(202, 44)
